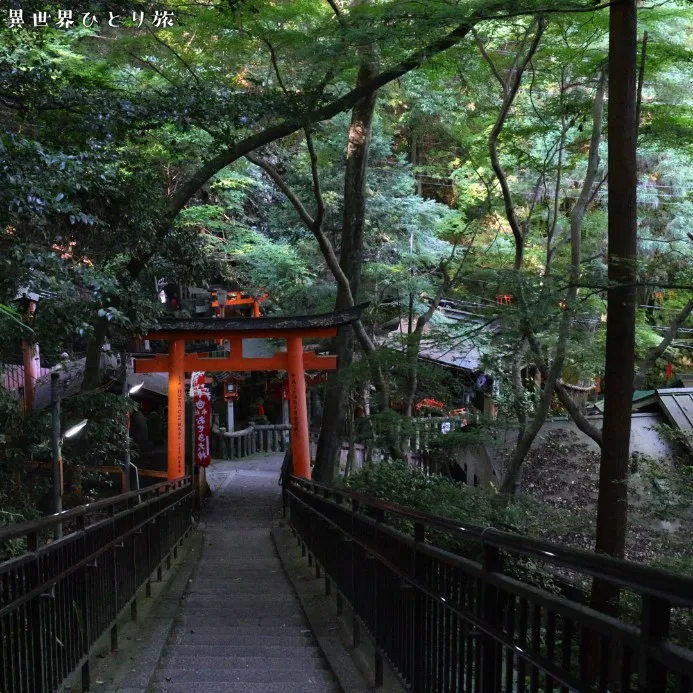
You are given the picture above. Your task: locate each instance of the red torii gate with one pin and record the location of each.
(179, 331)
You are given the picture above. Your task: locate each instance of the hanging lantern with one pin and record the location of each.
(231, 389)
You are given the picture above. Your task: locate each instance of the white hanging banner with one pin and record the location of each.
(197, 383)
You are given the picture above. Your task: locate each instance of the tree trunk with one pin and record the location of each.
(414, 159)
(511, 85)
(351, 437)
(612, 503)
(92, 367)
(577, 416)
(351, 261)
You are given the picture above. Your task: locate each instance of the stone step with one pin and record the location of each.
(290, 623)
(245, 687)
(189, 648)
(199, 621)
(241, 628)
(276, 610)
(247, 631)
(238, 593)
(195, 674)
(230, 660)
(230, 578)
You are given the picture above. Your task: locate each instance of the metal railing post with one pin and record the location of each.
(490, 659)
(378, 657)
(417, 652)
(355, 625)
(656, 616)
(36, 618)
(87, 597)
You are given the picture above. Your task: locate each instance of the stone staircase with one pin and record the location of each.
(240, 627)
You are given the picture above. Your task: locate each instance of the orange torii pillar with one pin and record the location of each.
(176, 409)
(300, 438)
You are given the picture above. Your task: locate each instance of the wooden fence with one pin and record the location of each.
(249, 441)
(255, 439)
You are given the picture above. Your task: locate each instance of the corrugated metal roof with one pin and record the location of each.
(639, 399)
(677, 404)
(458, 353)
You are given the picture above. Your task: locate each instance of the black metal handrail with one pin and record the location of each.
(57, 598)
(449, 623)
(636, 576)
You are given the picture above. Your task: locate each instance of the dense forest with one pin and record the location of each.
(479, 156)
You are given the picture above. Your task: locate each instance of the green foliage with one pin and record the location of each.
(400, 484)
(18, 501)
(101, 441)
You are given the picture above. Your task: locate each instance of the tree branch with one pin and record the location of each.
(655, 352)
(563, 395)
(489, 60)
(314, 224)
(180, 58)
(513, 85)
(279, 181)
(551, 231)
(335, 8)
(239, 149)
(275, 64)
(578, 212)
(641, 79)
(319, 200)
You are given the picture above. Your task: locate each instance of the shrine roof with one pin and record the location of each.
(277, 324)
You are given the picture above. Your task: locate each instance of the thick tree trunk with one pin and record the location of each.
(92, 368)
(612, 503)
(351, 261)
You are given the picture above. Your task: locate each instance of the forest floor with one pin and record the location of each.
(563, 472)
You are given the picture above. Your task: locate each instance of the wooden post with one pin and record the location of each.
(300, 440)
(31, 363)
(176, 409)
(28, 356)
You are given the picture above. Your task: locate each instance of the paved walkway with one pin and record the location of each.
(240, 627)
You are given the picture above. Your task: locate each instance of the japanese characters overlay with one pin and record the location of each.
(67, 19)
